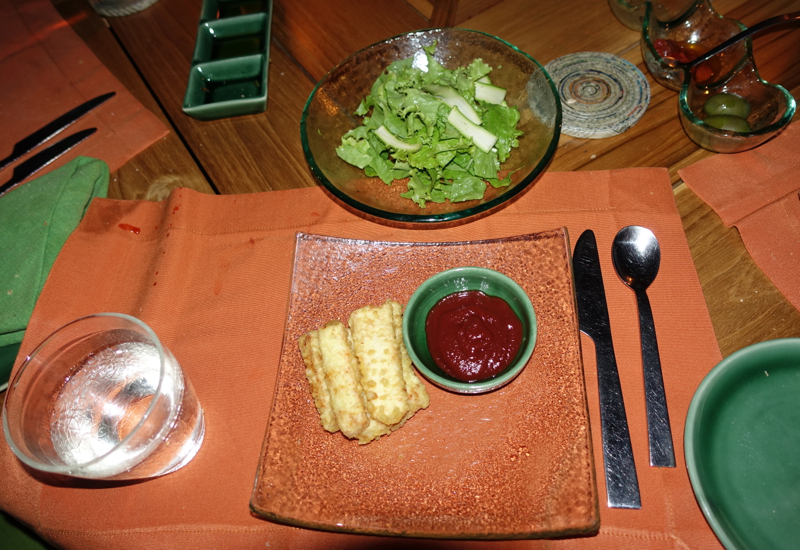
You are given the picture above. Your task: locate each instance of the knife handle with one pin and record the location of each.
(622, 484)
(658, 427)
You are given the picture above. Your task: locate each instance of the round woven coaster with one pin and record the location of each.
(602, 95)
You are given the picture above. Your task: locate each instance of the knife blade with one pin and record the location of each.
(43, 158)
(27, 144)
(622, 484)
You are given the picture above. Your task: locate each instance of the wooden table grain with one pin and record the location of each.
(150, 52)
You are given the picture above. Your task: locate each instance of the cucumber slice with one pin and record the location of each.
(452, 98)
(481, 137)
(489, 93)
(393, 141)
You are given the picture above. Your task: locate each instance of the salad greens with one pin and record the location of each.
(446, 130)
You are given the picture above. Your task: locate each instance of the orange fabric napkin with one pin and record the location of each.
(212, 275)
(48, 70)
(758, 191)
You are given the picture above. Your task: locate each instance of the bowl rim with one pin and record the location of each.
(489, 384)
(628, 14)
(690, 9)
(448, 216)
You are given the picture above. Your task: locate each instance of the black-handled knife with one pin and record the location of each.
(41, 135)
(622, 484)
(43, 158)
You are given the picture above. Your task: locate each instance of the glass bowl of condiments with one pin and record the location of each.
(469, 330)
(674, 32)
(723, 104)
(736, 112)
(668, 46)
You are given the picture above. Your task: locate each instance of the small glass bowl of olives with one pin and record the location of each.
(734, 112)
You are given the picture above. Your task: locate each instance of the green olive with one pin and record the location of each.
(727, 104)
(728, 122)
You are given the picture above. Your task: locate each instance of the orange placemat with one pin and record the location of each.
(48, 70)
(211, 275)
(758, 191)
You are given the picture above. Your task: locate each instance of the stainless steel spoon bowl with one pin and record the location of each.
(637, 256)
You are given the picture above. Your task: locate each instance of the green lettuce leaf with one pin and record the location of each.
(447, 166)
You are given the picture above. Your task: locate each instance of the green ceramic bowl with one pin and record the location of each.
(459, 279)
(742, 446)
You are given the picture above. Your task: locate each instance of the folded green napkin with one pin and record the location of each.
(35, 220)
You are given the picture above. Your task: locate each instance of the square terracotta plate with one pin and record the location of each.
(514, 463)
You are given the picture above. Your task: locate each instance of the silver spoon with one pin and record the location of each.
(636, 257)
(785, 20)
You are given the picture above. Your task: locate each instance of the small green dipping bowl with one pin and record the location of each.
(491, 283)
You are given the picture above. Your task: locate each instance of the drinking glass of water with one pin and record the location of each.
(103, 398)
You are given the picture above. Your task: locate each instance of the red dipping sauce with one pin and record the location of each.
(472, 336)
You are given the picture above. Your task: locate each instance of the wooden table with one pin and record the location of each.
(150, 52)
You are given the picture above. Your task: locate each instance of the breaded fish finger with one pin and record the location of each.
(417, 394)
(375, 429)
(375, 343)
(342, 377)
(312, 357)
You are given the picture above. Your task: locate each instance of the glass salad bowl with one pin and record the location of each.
(330, 112)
